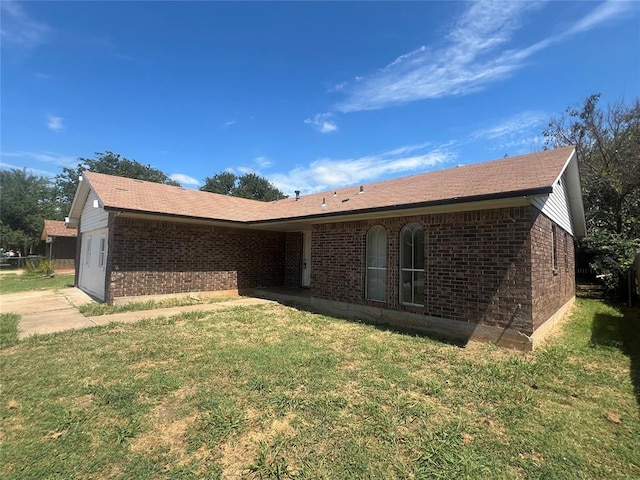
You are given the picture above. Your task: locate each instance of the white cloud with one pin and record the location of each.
(326, 173)
(33, 171)
(18, 28)
(322, 124)
(514, 127)
(474, 54)
(603, 13)
(183, 179)
(45, 157)
(246, 170)
(55, 123)
(262, 162)
(229, 123)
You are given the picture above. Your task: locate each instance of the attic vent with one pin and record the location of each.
(122, 189)
(345, 200)
(297, 195)
(324, 204)
(361, 189)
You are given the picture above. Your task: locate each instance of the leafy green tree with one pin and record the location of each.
(223, 183)
(607, 144)
(111, 164)
(249, 185)
(26, 201)
(255, 187)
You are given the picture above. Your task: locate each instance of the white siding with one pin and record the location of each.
(93, 263)
(556, 205)
(93, 217)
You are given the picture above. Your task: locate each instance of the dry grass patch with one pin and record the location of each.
(272, 392)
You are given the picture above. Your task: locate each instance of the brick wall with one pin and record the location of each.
(551, 289)
(63, 254)
(478, 267)
(154, 257)
(293, 259)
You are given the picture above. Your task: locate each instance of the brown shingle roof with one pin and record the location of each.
(516, 176)
(121, 193)
(57, 228)
(499, 178)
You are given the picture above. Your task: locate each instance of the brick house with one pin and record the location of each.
(483, 251)
(58, 243)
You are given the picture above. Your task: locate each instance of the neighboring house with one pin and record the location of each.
(484, 251)
(59, 244)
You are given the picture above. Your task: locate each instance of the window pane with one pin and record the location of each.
(371, 254)
(418, 288)
(376, 285)
(376, 247)
(418, 249)
(103, 247)
(406, 288)
(406, 248)
(381, 249)
(376, 263)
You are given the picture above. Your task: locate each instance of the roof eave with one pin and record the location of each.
(130, 211)
(79, 199)
(433, 203)
(574, 188)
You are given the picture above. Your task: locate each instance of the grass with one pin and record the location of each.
(270, 392)
(12, 282)
(96, 309)
(8, 329)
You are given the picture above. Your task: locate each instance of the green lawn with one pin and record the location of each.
(273, 392)
(13, 282)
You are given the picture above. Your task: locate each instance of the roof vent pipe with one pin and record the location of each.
(297, 195)
(361, 189)
(324, 204)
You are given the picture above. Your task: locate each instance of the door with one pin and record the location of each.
(306, 259)
(93, 259)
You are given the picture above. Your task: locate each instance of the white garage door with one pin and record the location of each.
(93, 260)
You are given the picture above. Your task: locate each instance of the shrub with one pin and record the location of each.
(39, 265)
(46, 266)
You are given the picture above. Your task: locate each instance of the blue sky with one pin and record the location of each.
(311, 95)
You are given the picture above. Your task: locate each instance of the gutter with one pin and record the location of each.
(532, 192)
(433, 203)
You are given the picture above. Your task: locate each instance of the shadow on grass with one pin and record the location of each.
(622, 333)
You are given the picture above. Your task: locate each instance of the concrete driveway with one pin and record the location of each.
(49, 311)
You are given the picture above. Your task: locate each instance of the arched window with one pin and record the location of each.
(412, 265)
(377, 264)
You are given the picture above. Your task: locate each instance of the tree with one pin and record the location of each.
(249, 185)
(222, 183)
(26, 201)
(607, 145)
(111, 164)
